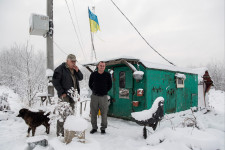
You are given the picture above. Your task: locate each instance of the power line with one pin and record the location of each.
(77, 21)
(62, 50)
(59, 48)
(78, 27)
(141, 35)
(75, 28)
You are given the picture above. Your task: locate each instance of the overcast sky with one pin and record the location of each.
(186, 32)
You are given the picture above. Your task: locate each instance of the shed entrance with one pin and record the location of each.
(123, 88)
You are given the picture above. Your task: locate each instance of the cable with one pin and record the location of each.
(75, 29)
(141, 35)
(78, 28)
(77, 21)
(59, 47)
(62, 50)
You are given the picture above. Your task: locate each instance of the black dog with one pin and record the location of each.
(34, 119)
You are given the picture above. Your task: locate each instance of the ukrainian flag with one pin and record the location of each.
(94, 25)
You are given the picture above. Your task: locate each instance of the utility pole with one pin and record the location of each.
(49, 43)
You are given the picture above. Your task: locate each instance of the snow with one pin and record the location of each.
(13, 98)
(140, 91)
(131, 66)
(150, 65)
(179, 75)
(171, 134)
(3, 116)
(42, 94)
(147, 114)
(216, 100)
(200, 72)
(74, 123)
(187, 139)
(139, 73)
(167, 67)
(110, 59)
(49, 73)
(36, 138)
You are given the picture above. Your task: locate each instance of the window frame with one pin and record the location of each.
(178, 84)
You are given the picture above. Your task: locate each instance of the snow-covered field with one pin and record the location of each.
(173, 132)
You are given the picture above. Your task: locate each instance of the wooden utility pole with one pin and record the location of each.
(49, 42)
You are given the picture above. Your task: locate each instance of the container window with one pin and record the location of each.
(180, 83)
(123, 92)
(122, 79)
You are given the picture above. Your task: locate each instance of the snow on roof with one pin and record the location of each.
(110, 59)
(74, 123)
(150, 65)
(139, 72)
(179, 75)
(167, 67)
(131, 66)
(147, 114)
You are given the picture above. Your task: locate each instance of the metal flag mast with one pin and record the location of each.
(92, 37)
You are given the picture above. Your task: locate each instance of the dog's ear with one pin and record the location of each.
(22, 112)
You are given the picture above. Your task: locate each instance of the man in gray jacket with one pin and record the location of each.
(65, 77)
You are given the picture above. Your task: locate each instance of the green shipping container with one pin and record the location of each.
(178, 87)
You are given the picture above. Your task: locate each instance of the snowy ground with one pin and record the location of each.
(171, 134)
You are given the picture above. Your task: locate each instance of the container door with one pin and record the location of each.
(170, 101)
(122, 106)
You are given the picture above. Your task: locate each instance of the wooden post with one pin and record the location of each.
(69, 135)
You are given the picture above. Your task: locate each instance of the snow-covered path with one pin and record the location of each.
(121, 134)
(171, 134)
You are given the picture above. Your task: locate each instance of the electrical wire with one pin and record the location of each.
(77, 21)
(59, 48)
(63, 50)
(141, 35)
(75, 29)
(78, 28)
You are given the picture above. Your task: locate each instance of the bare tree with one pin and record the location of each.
(217, 72)
(23, 70)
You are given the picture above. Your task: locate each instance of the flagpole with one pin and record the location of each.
(92, 43)
(93, 48)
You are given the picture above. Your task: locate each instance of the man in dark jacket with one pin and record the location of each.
(65, 77)
(100, 83)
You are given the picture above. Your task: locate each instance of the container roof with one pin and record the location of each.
(167, 67)
(147, 64)
(107, 61)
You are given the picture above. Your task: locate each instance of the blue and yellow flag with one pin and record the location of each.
(94, 25)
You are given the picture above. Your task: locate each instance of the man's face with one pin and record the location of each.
(71, 63)
(101, 67)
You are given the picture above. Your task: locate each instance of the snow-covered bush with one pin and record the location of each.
(4, 105)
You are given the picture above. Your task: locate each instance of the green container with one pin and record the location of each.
(156, 82)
